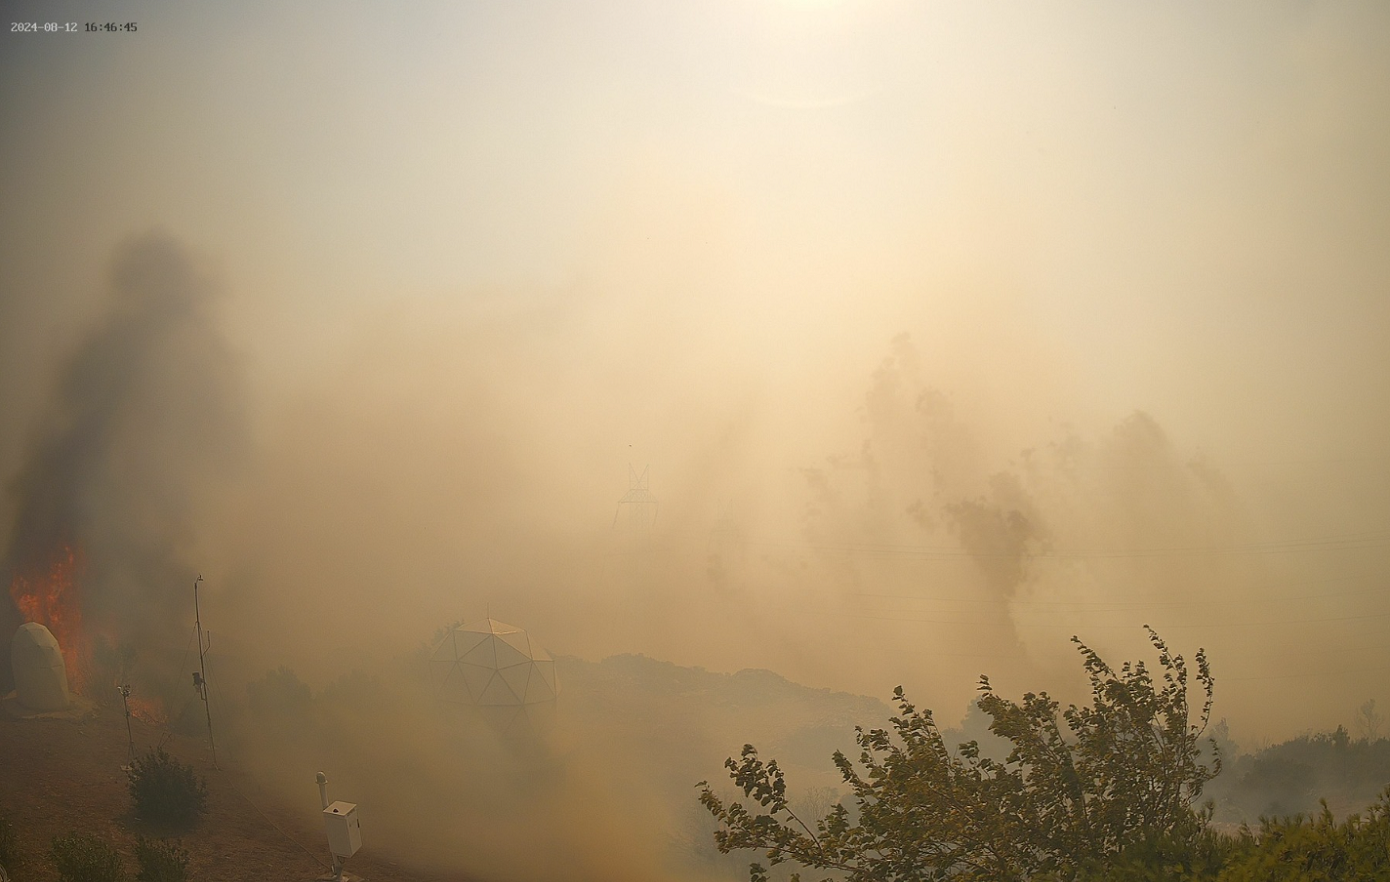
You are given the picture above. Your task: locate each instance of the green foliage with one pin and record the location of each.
(161, 861)
(86, 859)
(1319, 849)
(1079, 788)
(1183, 856)
(166, 790)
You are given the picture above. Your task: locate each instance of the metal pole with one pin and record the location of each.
(323, 798)
(125, 702)
(202, 667)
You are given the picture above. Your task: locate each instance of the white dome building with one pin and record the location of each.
(40, 674)
(497, 669)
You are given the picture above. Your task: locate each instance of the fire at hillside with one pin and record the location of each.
(51, 596)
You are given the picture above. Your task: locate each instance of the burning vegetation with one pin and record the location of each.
(51, 597)
(143, 408)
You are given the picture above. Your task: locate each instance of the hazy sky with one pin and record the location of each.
(476, 258)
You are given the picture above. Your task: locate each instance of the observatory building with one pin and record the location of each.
(40, 674)
(498, 670)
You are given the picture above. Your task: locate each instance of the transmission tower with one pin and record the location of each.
(637, 507)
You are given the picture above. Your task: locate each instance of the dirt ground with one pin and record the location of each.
(59, 776)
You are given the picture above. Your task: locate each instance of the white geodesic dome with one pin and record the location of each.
(40, 674)
(496, 668)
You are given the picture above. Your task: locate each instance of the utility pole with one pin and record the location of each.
(200, 679)
(124, 689)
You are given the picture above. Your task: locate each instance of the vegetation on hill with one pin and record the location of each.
(1106, 791)
(1292, 777)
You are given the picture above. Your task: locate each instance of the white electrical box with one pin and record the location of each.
(344, 831)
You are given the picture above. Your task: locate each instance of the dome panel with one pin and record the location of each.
(466, 641)
(546, 671)
(508, 655)
(476, 678)
(484, 652)
(538, 688)
(498, 691)
(518, 641)
(517, 677)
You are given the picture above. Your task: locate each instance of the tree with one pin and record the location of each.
(1079, 786)
(1368, 721)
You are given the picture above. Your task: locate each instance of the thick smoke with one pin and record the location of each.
(479, 269)
(932, 551)
(420, 480)
(143, 412)
(942, 527)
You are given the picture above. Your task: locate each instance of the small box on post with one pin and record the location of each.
(344, 830)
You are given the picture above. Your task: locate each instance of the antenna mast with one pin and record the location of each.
(124, 689)
(200, 679)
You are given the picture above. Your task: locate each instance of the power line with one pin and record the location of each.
(1206, 626)
(1340, 673)
(1122, 606)
(1155, 608)
(891, 617)
(1353, 540)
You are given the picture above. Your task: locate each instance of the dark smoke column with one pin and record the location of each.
(146, 411)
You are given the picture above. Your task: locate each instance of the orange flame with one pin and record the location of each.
(147, 709)
(52, 601)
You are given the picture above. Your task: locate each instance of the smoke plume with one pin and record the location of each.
(144, 411)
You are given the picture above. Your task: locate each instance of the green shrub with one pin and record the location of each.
(86, 859)
(161, 861)
(1082, 789)
(1316, 849)
(1178, 856)
(166, 790)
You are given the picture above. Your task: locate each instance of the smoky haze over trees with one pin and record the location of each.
(1028, 544)
(943, 333)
